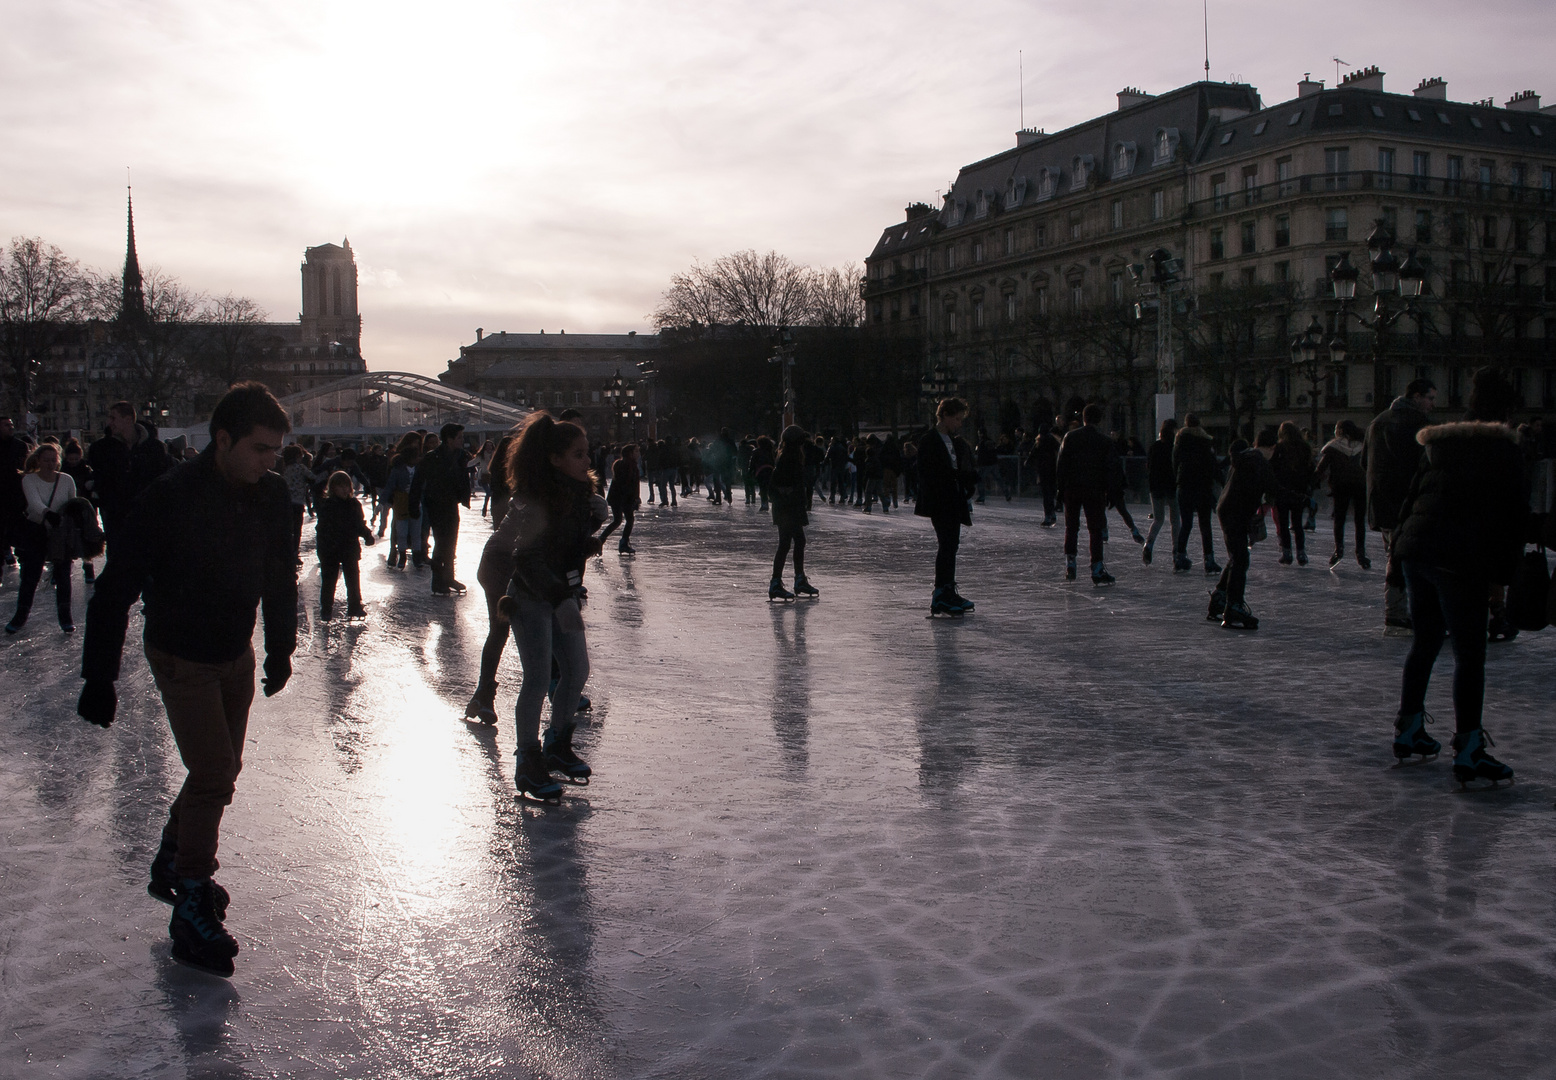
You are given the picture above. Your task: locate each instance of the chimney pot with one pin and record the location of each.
(1524, 101)
(1433, 89)
(1308, 86)
(478, 333)
(1367, 78)
(1132, 95)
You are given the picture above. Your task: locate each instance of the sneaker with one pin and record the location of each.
(1471, 762)
(199, 938)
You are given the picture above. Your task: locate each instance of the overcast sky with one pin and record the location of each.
(522, 165)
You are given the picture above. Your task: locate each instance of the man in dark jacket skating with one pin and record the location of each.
(203, 548)
(1087, 462)
(1194, 466)
(1163, 485)
(440, 487)
(1250, 482)
(1392, 456)
(947, 479)
(124, 463)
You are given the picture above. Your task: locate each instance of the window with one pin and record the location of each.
(1488, 170)
(1414, 116)
(977, 314)
(1258, 129)
(1218, 190)
(1248, 275)
(1116, 213)
(1283, 179)
(1228, 137)
(1520, 234)
(1336, 224)
(1077, 296)
(1040, 299)
(1442, 118)
(1421, 170)
(1475, 122)
(1158, 204)
(1218, 281)
(1248, 238)
(1010, 307)
(913, 305)
(977, 251)
(1423, 226)
(1336, 109)
(950, 257)
(1517, 176)
(1455, 174)
(1283, 273)
(950, 322)
(1296, 118)
(1075, 228)
(1458, 230)
(1391, 220)
(1116, 286)
(1488, 232)
(1337, 163)
(1010, 241)
(1283, 230)
(1547, 183)
(1250, 184)
(1040, 236)
(1377, 110)
(1385, 168)
(1217, 244)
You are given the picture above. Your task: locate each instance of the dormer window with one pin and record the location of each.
(1165, 146)
(1047, 182)
(1082, 166)
(981, 208)
(1015, 192)
(1123, 160)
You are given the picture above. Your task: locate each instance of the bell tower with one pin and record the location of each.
(330, 296)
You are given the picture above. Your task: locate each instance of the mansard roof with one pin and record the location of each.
(502, 341)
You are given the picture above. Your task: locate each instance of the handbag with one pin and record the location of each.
(1258, 529)
(1528, 598)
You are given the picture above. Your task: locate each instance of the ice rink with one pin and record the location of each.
(1081, 833)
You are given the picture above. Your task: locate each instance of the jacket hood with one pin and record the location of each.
(1403, 402)
(1197, 432)
(1352, 447)
(1465, 429)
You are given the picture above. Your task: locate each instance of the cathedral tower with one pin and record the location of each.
(330, 296)
(132, 301)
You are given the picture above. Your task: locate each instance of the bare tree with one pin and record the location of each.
(157, 350)
(229, 337)
(835, 299)
(41, 291)
(755, 292)
(1236, 341)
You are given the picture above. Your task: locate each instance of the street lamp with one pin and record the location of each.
(939, 382)
(1390, 278)
(613, 395)
(1156, 283)
(1305, 358)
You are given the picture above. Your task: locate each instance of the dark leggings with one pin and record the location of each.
(1445, 603)
(948, 534)
(1288, 526)
(1193, 504)
(790, 534)
(1356, 503)
(1234, 576)
(616, 519)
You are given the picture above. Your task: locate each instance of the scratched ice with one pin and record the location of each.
(1082, 833)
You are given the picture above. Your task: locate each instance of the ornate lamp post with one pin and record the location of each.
(938, 382)
(1390, 278)
(613, 393)
(1155, 284)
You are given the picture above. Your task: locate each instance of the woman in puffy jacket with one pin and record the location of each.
(1340, 462)
(1461, 532)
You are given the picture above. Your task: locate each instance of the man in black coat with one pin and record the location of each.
(1194, 466)
(1392, 456)
(441, 486)
(1045, 462)
(946, 480)
(203, 548)
(1087, 462)
(1250, 482)
(124, 463)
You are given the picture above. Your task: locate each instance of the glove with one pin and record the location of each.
(98, 702)
(370, 538)
(278, 669)
(51, 519)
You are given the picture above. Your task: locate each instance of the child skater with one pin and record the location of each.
(551, 520)
(340, 523)
(790, 493)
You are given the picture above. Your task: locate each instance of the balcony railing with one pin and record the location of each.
(1363, 180)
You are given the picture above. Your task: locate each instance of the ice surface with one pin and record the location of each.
(1082, 833)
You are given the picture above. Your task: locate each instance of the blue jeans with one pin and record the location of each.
(539, 639)
(1446, 604)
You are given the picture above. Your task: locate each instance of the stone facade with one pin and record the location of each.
(1020, 280)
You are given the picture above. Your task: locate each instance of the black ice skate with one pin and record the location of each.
(1410, 737)
(164, 880)
(944, 602)
(776, 591)
(1238, 617)
(1212, 568)
(483, 704)
(1069, 568)
(803, 587)
(1100, 575)
(1334, 560)
(558, 749)
(1217, 605)
(199, 938)
(534, 779)
(961, 601)
(1471, 762)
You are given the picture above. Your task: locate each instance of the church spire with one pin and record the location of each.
(132, 306)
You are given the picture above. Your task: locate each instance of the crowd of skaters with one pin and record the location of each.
(210, 545)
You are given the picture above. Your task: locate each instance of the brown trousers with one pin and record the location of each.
(208, 710)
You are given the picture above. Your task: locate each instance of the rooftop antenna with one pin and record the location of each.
(1205, 10)
(1337, 63)
(1021, 92)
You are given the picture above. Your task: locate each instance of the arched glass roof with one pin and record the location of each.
(391, 402)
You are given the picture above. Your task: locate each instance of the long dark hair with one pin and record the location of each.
(499, 466)
(530, 472)
(1290, 436)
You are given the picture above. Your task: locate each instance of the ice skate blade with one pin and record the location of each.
(185, 960)
(780, 599)
(1412, 760)
(576, 781)
(527, 799)
(1488, 785)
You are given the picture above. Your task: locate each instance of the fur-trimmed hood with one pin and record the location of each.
(1465, 429)
(1197, 432)
(1348, 447)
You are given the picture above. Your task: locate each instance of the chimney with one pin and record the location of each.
(478, 333)
(1132, 95)
(1307, 87)
(1434, 89)
(916, 210)
(1367, 78)
(1526, 101)
(1028, 136)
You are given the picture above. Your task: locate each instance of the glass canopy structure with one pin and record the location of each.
(387, 403)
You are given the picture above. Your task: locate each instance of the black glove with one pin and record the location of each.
(51, 519)
(98, 702)
(278, 669)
